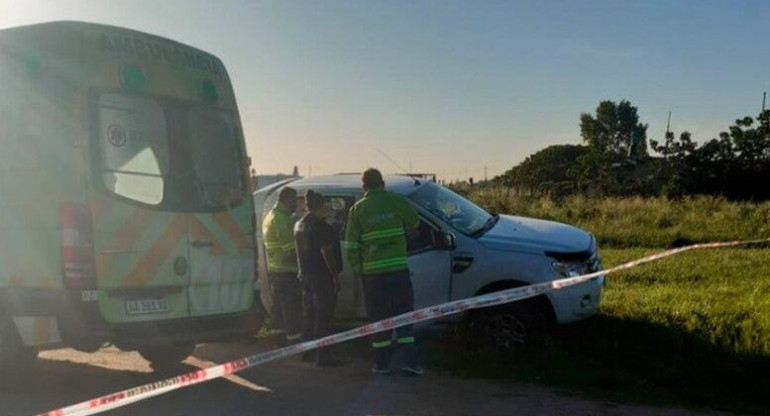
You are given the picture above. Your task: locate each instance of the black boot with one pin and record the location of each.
(409, 365)
(382, 358)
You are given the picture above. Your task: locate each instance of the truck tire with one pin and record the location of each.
(166, 355)
(517, 325)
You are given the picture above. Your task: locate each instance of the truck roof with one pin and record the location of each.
(400, 184)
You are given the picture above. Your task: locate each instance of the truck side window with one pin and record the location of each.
(425, 241)
(338, 213)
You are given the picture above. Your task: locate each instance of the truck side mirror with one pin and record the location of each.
(447, 241)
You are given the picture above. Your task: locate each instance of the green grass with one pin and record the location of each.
(720, 296)
(692, 329)
(640, 222)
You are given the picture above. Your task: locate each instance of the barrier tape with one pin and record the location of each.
(133, 395)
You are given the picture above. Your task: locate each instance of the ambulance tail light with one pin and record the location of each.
(77, 248)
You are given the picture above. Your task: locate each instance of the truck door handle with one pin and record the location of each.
(461, 262)
(202, 243)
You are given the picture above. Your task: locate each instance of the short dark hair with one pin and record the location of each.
(313, 199)
(286, 193)
(372, 179)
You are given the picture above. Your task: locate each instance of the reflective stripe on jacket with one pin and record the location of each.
(278, 233)
(375, 237)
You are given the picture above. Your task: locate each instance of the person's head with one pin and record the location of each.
(315, 203)
(288, 197)
(372, 179)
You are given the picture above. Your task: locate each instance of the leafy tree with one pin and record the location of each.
(617, 142)
(679, 157)
(731, 165)
(546, 171)
(615, 130)
(741, 156)
(614, 161)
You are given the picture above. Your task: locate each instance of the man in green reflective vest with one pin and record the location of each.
(375, 243)
(278, 234)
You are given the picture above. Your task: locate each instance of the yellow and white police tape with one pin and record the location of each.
(135, 394)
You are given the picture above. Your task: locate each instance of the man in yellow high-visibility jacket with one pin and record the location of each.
(285, 289)
(375, 243)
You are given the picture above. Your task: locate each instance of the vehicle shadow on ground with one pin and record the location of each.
(623, 360)
(64, 377)
(46, 384)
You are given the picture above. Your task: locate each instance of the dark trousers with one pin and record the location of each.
(286, 310)
(320, 301)
(387, 295)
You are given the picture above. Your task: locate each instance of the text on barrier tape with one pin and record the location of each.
(135, 394)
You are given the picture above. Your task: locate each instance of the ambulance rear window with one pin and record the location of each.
(214, 154)
(134, 147)
(174, 154)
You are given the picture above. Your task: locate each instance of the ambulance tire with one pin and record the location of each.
(13, 353)
(166, 356)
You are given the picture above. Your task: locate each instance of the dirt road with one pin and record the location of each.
(287, 387)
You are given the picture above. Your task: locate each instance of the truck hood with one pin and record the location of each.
(513, 233)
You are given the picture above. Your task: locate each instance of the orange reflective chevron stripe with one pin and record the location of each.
(126, 235)
(227, 223)
(157, 254)
(199, 231)
(100, 206)
(131, 229)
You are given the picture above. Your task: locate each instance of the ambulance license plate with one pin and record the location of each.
(147, 306)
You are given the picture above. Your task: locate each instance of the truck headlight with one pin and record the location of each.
(569, 269)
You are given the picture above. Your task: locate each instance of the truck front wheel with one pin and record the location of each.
(166, 355)
(520, 324)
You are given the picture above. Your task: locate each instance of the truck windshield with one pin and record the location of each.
(168, 153)
(461, 214)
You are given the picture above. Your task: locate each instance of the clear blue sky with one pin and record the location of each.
(450, 86)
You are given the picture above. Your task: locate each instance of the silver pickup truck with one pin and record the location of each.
(464, 251)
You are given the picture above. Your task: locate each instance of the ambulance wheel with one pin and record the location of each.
(166, 355)
(13, 352)
(517, 325)
(18, 358)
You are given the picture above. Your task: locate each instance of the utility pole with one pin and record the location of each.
(764, 99)
(668, 125)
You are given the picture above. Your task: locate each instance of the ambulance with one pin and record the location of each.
(125, 211)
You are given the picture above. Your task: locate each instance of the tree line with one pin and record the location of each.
(615, 160)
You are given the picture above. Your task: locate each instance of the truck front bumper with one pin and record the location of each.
(577, 302)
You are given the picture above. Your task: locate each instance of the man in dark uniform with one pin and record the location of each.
(320, 263)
